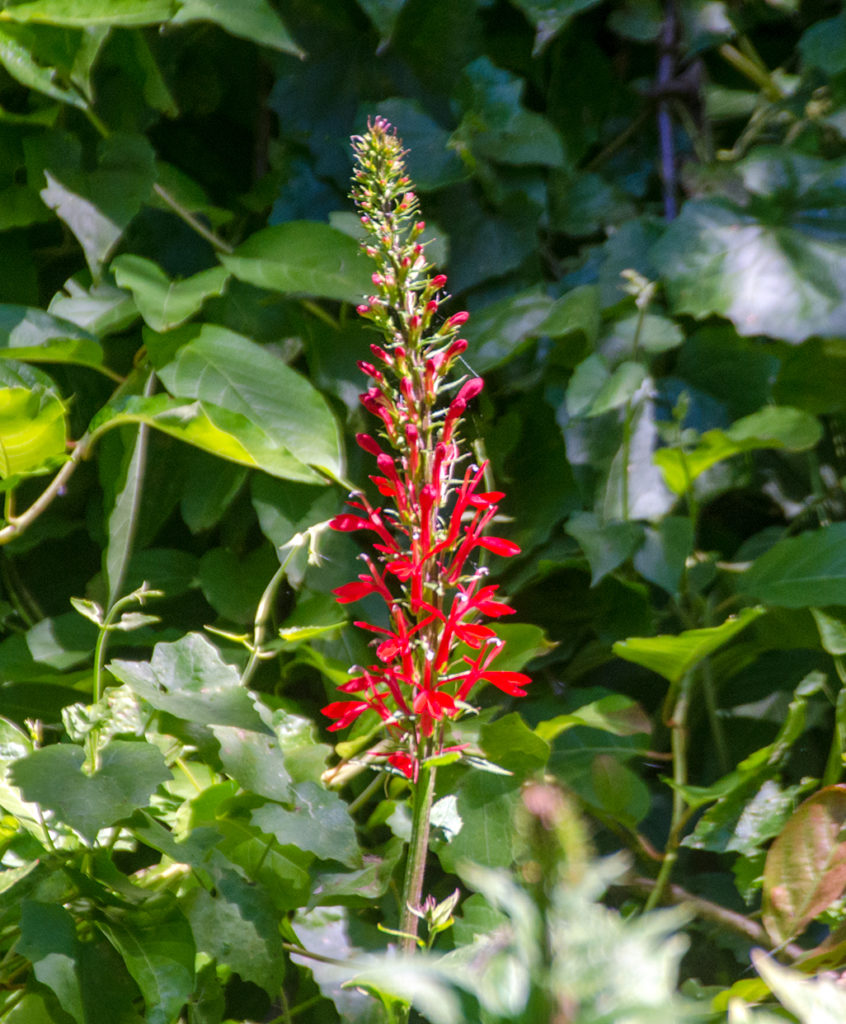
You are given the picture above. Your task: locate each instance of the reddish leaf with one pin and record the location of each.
(805, 871)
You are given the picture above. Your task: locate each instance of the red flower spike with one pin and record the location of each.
(423, 564)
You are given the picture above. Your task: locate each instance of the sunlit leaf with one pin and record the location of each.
(32, 430)
(800, 572)
(162, 302)
(256, 20)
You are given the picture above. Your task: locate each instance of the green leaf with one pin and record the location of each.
(774, 265)
(239, 928)
(770, 427)
(618, 791)
(549, 18)
(361, 887)
(25, 53)
(576, 311)
(662, 557)
(823, 45)
(805, 870)
(48, 940)
(189, 679)
(98, 206)
(606, 545)
(303, 258)
(91, 12)
(99, 308)
(801, 572)
(485, 804)
(511, 744)
(502, 329)
(831, 622)
(318, 822)
(255, 760)
(219, 366)
(224, 433)
(159, 954)
(673, 656)
(432, 162)
(233, 584)
(255, 20)
(33, 432)
(164, 303)
(615, 713)
(37, 337)
(128, 775)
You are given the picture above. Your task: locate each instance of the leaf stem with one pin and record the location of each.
(18, 524)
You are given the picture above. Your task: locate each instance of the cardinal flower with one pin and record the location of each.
(429, 537)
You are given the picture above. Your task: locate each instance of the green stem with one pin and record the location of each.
(754, 71)
(263, 610)
(678, 726)
(17, 525)
(418, 847)
(643, 306)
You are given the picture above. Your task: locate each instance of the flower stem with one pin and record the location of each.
(423, 791)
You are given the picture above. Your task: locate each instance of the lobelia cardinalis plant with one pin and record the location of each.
(429, 530)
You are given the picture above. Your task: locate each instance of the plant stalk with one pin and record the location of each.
(418, 848)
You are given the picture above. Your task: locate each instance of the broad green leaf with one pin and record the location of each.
(576, 311)
(805, 871)
(33, 432)
(37, 337)
(233, 584)
(159, 954)
(662, 557)
(801, 572)
(21, 206)
(615, 713)
(823, 45)
(190, 680)
(254, 759)
(282, 870)
(128, 775)
(485, 804)
(502, 329)
(384, 15)
(124, 13)
(25, 55)
(618, 791)
(255, 20)
(99, 308)
(218, 366)
(550, 18)
(497, 126)
(813, 1000)
(98, 206)
(606, 545)
(164, 303)
(432, 162)
(362, 886)
(224, 433)
(48, 940)
(774, 265)
(673, 656)
(239, 928)
(317, 821)
(509, 743)
(303, 258)
(771, 427)
(831, 623)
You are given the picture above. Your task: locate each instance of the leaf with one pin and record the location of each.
(801, 572)
(159, 954)
(219, 366)
(255, 20)
(805, 870)
(662, 557)
(318, 822)
(432, 162)
(550, 18)
(128, 775)
(770, 427)
(37, 337)
(674, 656)
(303, 258)
(33, 432)
(99, 308)
(606, 545)
(255, 760)
(485, 803)
(238, 927)
(48, 940)
(125, 510)
(91, 12)
(813, 1000)
(164, 303)
(511, 744)
(615, 713)
(189, 679)
(98, 206)
(361, 887)
(502, 329)
(773, 266)
(22, 55)
(224, 433)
